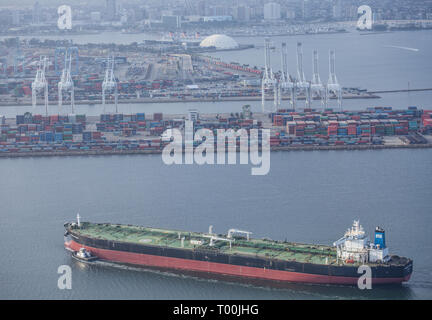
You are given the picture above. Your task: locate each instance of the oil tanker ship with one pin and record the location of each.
(236, 256)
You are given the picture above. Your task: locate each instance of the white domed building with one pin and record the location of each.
(220, 42)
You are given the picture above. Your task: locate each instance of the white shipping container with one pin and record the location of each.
(78, 137)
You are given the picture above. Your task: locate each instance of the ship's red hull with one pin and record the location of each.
(220, 269)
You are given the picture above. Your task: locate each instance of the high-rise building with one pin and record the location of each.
(16, 18)
(272, 11)
(337, 9)
(124, 17)
(111, 10)
(95, 16)
(290, 14)
(256, 12)
(304, 13)
(36, 13)
(140, 13)
(220, 11)
(242, 13)
(202, 8)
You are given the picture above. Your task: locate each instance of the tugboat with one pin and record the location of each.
(83, 255)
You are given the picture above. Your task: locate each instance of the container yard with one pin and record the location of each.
(379, 127)
(369, 127)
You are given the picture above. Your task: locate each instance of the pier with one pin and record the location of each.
(147, 152)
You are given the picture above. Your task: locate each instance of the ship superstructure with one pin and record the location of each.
(355, 246)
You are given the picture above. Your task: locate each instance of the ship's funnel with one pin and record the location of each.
(380, 237)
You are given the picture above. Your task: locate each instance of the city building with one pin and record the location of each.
(111, 10)
(272, 11)
(202, 8)
(242, 13)
(337, 9)
(95, 16)
(16, 18)
(217, 18)
(36, 13)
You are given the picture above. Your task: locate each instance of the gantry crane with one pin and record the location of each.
(302, 84)
(66, 82)
(316, 86)
(333, 85)
(285, 82)
(268, 81)
(109, 83)
(40, 83)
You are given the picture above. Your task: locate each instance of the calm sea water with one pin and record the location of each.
(369, 61)
(307, 197)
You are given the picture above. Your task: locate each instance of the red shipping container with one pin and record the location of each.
(157, 116)
(54, 119)
(27, 91)
(96, 135)
(332, 130)
(352, 129)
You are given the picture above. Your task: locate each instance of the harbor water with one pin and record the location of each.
(398, 101)
(309, 197)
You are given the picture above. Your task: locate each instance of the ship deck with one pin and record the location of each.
(263, 248)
